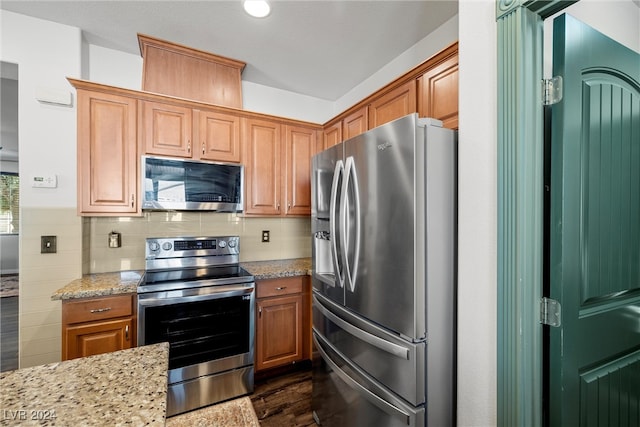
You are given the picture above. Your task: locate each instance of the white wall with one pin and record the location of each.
(46, 53)
(477, 217)
(115, 68)
(442, 37)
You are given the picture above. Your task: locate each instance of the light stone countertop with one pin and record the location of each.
(100, 284)
(126, 282)
(123, 388)
(278, 268)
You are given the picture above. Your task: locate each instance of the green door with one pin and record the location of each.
(595, 230)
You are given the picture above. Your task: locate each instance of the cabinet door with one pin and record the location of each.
(393, 105)
(262, 158)
(107, 154)
(332, 135)
(219, 137)
(279, 331)
(167, 129)
(438, 93)
(88, 339)
(355, 123)
(299, 145)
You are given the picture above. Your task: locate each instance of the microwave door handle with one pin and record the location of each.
(337, 173)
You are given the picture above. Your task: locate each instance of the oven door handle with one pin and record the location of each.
(191, 295)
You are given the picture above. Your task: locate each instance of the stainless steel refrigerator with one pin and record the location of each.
(384, 283)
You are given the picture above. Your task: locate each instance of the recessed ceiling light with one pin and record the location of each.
(257, 8)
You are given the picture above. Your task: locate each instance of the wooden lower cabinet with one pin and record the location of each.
(283, 322)
(93, 326)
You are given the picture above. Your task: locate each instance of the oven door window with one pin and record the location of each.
(200, 331)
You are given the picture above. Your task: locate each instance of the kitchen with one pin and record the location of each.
(49, 133)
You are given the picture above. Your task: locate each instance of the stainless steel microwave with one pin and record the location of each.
(188, 185)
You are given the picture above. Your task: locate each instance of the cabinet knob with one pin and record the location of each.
(281, 288)
(203, 148)
(133, 200)
(126, 332)
(260, 312)
(189, 147)
(99, 310)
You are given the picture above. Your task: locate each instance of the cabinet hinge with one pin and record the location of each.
(551, 90)
(550, 312)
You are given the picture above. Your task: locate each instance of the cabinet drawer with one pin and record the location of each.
(276, 287)
(91, 309)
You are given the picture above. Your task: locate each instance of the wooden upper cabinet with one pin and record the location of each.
(438, 93)
(332, 135)
(355, 123)
(107, 154)
(167, 129)
(277, 162)
(262, 158)
(393, 104)
(177, 70)
(178, 131)
(219, 136)
(300, 143)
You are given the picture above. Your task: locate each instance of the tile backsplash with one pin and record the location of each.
(289, 237)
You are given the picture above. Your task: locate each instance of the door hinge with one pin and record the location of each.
(550, 312)
(552, 90)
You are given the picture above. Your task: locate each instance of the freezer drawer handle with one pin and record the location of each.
(371, 397)
(383, 345)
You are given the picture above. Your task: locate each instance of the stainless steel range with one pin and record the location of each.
(195, 296)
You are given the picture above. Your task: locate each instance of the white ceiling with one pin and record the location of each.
(317, 48)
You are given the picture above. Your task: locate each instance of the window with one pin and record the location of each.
(9, 203)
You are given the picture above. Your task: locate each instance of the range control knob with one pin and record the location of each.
(154, 246)
(232, 243)
(222, 244)
(166, 246)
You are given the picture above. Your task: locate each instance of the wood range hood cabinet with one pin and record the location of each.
(212, 79)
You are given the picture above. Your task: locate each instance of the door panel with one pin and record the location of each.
(383, 283)
(595, 230)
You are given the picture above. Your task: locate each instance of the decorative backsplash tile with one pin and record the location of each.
(289, 237)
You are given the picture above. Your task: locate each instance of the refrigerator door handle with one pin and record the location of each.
(394, 349)
(351, 179)
(355, 385)
(337, 173)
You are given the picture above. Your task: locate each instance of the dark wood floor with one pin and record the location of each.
(284, 400)
(8, 334)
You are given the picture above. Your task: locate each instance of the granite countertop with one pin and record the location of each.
(126, 282)
(127, 387)
(278, 268)
(100, 284)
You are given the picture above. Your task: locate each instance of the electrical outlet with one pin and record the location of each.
(265, 236)
(48, 244)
